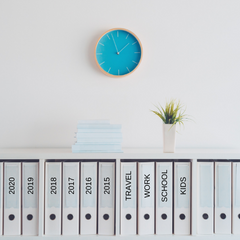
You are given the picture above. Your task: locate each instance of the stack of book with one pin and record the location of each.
(98, 136)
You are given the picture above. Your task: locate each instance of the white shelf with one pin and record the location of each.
(43, 154)
(128, 153)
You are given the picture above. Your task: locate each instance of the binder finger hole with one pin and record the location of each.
(223, 216)
(128, 216)
(205, 216)
(239, 216)
(88, 216)
(164, 216)
(52, 216)
(105, 216)
(11, 217)
(182, 216)
(70, 217)
(146, 216)
(29, 217)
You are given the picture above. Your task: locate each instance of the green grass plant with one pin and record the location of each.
(173, 113)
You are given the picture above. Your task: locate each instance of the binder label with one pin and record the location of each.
(146, 185)
(53, 185)
(107, 186)
(223, 186)
(206, 185)
(11, 186)
(164, 186)
(70, 177)
(129, 185)
(89, 184)
(30, 173)
(183, 186)
(147, 180)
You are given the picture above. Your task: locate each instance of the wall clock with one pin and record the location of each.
(118, 52)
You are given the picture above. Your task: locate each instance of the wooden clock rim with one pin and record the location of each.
(111, 75)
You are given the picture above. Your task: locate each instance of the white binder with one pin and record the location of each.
(88, 210)
(70, 198)
(164, 198)
(30, 198)
(223, 197)
(106, 216)
(1, 197)
(12, 198)
(128, 198)
(205, 198)
(236, 198)
(146, 179)
(182, 195)
(53, 198)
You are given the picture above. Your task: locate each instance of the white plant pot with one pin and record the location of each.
(169, 138)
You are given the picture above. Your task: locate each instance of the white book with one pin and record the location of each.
(88, 210)
(146, 196)
(94, 121)
(182, 193)
(205, 197)
(88, 136)
(106, 200)
(12, 198)
(70, 198)
(99, 130)
(223, 197)
(128, 198)
(53, 198)
(236, 197)
(164, 199)
(30, 198)
(1, 197)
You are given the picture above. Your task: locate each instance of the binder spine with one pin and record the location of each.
(106, 200)
(182, 200)
(88, 211)
(1, 197)
(30, 198)
(223, 197)
(205, 198)
(146, 197)
(53, 191)
(128, 198)
(164, 198)
(70, 198)
(12, 198)
(235, 197)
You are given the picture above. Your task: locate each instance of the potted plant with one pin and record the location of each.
(172, 114)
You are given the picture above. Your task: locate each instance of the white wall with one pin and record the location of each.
(49, 79)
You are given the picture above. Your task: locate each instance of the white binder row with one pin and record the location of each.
(62, 198)
(218, 212)
(80, 197)
(145, 210)
(19, 205)
(218, 197)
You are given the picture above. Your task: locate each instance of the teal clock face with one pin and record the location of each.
(118, 52)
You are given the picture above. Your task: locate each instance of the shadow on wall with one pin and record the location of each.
(91, 50)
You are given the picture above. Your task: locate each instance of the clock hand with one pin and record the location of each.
(123, 48)
(115, 44)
